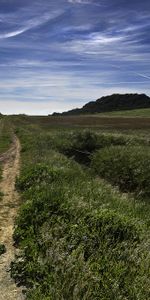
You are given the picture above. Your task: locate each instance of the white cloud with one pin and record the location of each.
(80, 1)
(91, 2)
(33, 23)
(12, 34)
(47, 107)
(98, 39)
(97, 44)
(44, 100)
(32, 108)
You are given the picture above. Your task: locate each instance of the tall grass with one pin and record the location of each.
(79, 238)
(5, 134)
(127, 167)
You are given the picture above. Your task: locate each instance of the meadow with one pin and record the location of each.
(83, 226)
(141, 112)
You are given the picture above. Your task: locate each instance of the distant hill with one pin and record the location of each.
(115, 102)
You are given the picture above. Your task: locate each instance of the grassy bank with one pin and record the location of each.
(125, 166)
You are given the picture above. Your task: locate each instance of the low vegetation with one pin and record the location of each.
(81, 144)
(79, 238)
(125, 166)
(2, 249)
(5, 135)
(141, 112)
(5, 141)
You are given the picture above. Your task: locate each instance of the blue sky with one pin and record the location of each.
(58, 55)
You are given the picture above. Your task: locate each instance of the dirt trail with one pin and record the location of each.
(8, 211)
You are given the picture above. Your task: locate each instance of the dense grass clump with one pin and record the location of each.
(127, 167)
(90, 141)
(2, 249)
(82, 144)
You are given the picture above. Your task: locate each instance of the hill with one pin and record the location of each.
(115, 102)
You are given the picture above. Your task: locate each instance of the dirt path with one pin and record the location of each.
(8, 211)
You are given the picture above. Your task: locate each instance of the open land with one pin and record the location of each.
(82, 229)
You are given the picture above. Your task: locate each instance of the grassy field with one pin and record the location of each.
(88, 121)
(83, 235)
(141, 112)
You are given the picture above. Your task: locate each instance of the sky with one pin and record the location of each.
(56, 55)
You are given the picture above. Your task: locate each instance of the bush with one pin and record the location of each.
(90, 141)
(127, 167)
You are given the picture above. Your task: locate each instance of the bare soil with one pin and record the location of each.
(8, 211)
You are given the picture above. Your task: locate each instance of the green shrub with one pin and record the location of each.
(83, 143)
(127, 167)
(89, 141)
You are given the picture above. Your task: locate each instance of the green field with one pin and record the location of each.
(84, 223)
(141, 112)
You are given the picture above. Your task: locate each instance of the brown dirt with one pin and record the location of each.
(8, 211)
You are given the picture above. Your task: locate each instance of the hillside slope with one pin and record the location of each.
(115, 102)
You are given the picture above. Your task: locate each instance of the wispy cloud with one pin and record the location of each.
(90, 2)
(32, 23)
(12, 34)
(97, 38)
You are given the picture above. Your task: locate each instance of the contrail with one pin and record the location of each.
(142, 75)
(132, 72)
